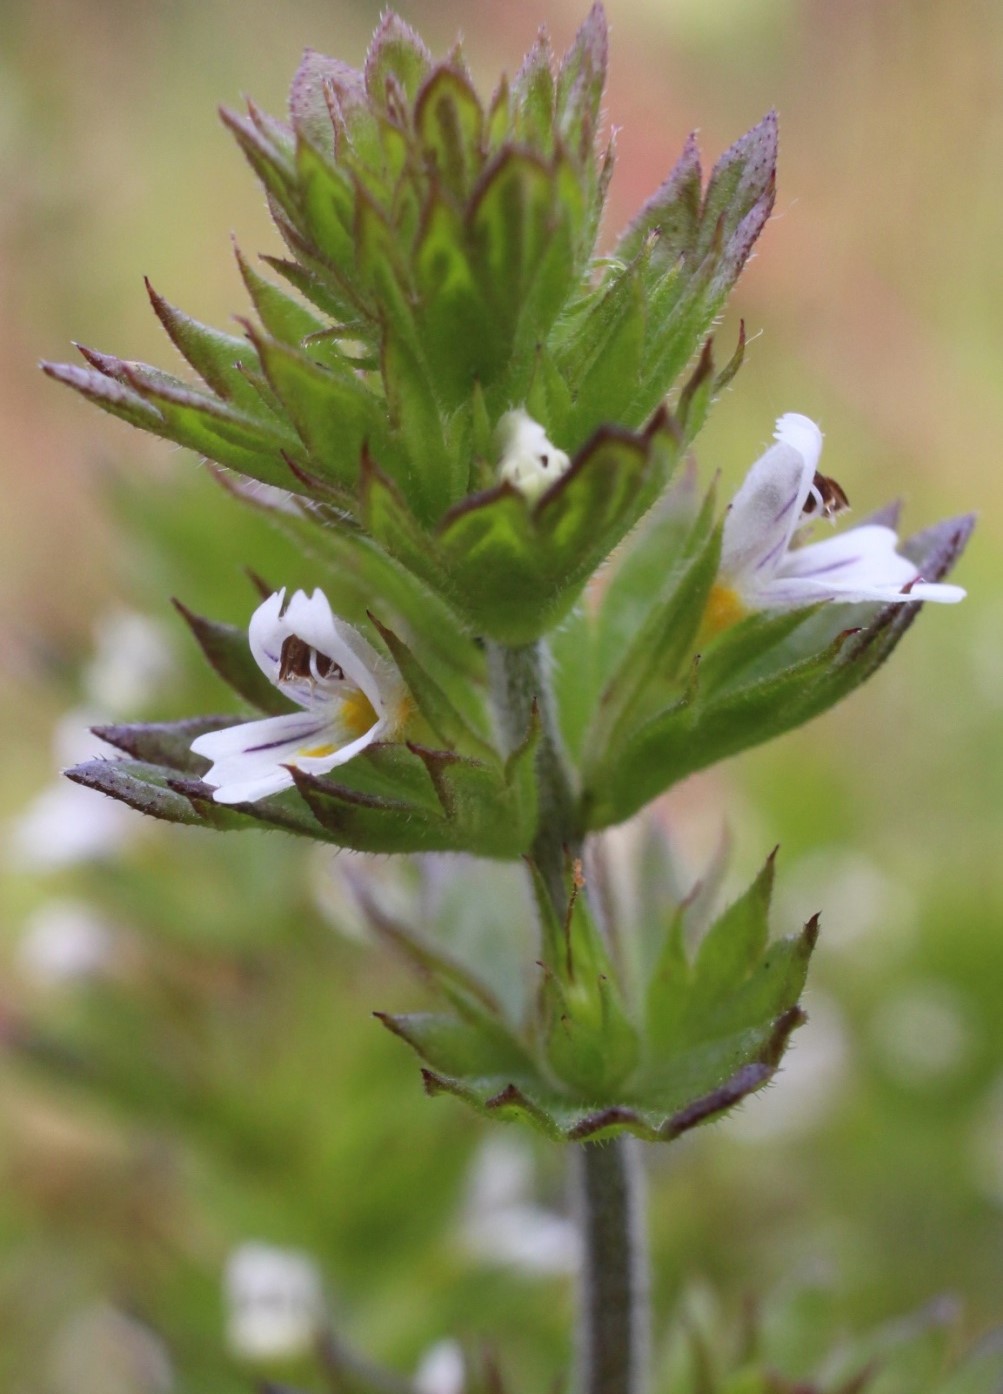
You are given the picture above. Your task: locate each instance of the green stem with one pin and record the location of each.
(613, 1304)
(613, 1310)
(520, 686)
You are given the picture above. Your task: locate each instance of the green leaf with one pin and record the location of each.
(396, 51)
(574, 678)
(670, 220)
(459, 1047)
(283, 317)
(390, 521)
(601, 362)
(334, 414)
(661, 643)
(416, 454)
(523, 220)
(410, 799)
(146, 788)
(165, 743)
(368, 823)
(221, 360)
(675, 529)
(432, 702)
(740, 195)
(533, 95)
(269, 159)
(457, 323)
(310, 109)
(580, 83)
(328, 210)
(730, 949)
(691, 733)
(516, 569)
(449, 124)
(227, 649)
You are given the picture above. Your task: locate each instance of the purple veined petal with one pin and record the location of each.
(766, 510)
(265, 635)
(249, 760)
(866, 555)
(792, 592)
(309, 618)
(255, 752)
(252, 737)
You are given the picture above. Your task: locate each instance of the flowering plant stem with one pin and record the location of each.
(613, 1304)
(612, 1310)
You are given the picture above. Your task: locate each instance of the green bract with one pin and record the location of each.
(441, 272)
(708, 1027)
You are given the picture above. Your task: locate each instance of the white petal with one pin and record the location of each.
(257, 737)
(767, 508)
(801, 434)
(252, 789)
(862, 564)
(266, 635)
(529, 461)
(866, 554)
(309, 618)
(251, 761)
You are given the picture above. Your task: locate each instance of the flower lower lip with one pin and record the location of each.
(277, 745)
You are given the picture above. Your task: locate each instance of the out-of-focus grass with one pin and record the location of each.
(875, 304)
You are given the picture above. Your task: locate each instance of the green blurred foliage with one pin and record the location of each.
(256, 1098)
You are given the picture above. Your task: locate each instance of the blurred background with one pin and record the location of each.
(193, 1069)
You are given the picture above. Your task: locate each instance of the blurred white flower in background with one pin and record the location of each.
(66, 824)
(64, 942)
(274, 1302)
(502, 1225)
(441, 1370)
(101, 1350)
(132, 662)
(859, 899)
(924, 1033)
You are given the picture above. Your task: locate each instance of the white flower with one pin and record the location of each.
(349, 695)
(132, 663)
(502, 1224)
(529, 461)
(65, 942)
(274, 1301)
(763, 568)
(66, 824)
(441, 1370)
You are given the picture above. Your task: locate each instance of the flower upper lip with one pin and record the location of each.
(762, 566)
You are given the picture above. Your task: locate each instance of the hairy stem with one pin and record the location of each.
(612, 1331)
(613, 1312)
(520, 687)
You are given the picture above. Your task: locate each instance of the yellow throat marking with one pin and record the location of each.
(725, 607)
(357, 715)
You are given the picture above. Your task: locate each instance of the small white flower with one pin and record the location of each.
(763, 568)
(274, 1301)
(503, 1225)
(65, 942)
(66, 824)
(441, 1370)
(133, 662)
(350, 698)
(529, 461)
